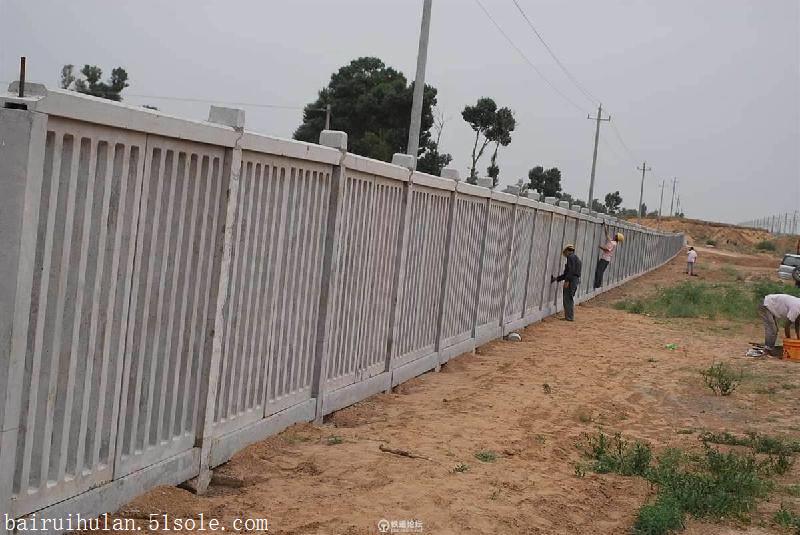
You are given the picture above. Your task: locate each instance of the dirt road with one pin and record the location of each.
(528, 402)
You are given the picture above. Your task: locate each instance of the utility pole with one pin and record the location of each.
(419, 81)
(594, 156)
(328, 117)
(672, 201)
(643, 169)
(660, 202)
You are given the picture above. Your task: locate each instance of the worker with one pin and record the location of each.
(691, 259)
(606, 256)
(775, 308)
(571, 278)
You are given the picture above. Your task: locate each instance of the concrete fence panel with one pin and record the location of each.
(174, 290)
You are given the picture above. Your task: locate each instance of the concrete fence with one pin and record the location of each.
(173, 291)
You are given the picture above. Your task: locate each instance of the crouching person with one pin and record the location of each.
(571, 278)
(775, 308)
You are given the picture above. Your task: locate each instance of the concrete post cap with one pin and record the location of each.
(334, 139)
(563, 204)
(232, 117)
(404, 160)
(485, 182)
(451, 173)
(550, 200)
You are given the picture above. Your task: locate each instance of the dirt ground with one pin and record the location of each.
(609, 370)
(723, 235)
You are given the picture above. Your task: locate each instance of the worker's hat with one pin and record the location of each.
(620, 237)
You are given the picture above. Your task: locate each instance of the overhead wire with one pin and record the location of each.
(574, 80)
(527, 60)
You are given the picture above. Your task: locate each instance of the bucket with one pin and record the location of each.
(791, 349)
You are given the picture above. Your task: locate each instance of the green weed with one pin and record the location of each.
(461, 468)
(486, 456)
(334, 440)
(721, 379)
(766, 245)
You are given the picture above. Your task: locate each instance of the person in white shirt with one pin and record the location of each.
(606, 256)
(775, 308)
(691, 258)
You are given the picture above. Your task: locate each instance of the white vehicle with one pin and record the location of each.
(790, 268)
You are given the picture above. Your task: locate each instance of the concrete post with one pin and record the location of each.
(451, 174)
(448, 248)
(330, 268)
(509, 262)
(232, 163)
(564, 204)
(22, 149)
(550, 200)
(409, 162)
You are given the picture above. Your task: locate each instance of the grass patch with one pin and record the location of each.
(461, 468)
(793, 490)
(685, 431)
(732, 273)
(766, 245)
(486, 456)
(787, 519)
(334, 440)
(721, 379)
(712, 484)
(690, 299)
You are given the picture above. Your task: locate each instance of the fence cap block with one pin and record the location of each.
(334, 139)
(550, 200)
(485, 183)
(451, 173)
(232, 117)
(404, 160)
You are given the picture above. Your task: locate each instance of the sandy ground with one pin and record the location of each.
(610, 370)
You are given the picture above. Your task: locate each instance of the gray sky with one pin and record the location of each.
(705, 90)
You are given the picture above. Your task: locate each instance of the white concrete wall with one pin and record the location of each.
(174, 290)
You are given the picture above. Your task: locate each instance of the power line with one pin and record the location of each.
(622, 142)
(586, 93)
(212, 101)
(527, 60)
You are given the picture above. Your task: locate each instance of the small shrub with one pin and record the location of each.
(486, 456)
(721, 379)
(461, 468)
(546, 388)
(334, 440)
(766, 245)
(712, 243)
(617, 455)
(685, 431)
(659, 518)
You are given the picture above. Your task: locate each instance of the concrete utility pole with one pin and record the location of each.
(672, 201)
(661, 202)
(594, 156)
(328, 117)
(643, 169)
(419, 81)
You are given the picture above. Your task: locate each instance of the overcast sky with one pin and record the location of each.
(705, 90)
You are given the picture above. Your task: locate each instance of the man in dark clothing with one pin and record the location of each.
(571, 278)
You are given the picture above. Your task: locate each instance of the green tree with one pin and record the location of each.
(90, 84)
(481, 118)
(599, 207)
(372, 103)
(547, 183)
(571, 200)
(500, 134)
(613, 202)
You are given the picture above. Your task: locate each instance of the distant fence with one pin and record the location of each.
(174, 290)
(786, 223)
